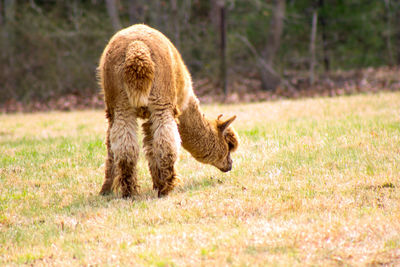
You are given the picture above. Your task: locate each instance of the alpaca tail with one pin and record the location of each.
(138, 73)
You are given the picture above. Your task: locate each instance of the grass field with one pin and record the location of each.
(315, 182)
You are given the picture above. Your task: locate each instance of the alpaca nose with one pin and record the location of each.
(228, 168)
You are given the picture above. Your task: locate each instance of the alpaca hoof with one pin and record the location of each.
(156, 187)
(168, 187)
(126, 195)
(105, 192)
(130, 192)
(165, 189)
(164, 192)
(161, 194)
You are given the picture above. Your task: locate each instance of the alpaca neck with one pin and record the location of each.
(194, 129)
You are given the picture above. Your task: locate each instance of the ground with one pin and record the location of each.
(314, 182)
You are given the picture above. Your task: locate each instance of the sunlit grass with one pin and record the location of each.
(315, 181)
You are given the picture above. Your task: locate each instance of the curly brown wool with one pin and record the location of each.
(142, 75)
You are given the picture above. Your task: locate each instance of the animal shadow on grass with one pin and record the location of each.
(92, 201)
(185, 186)
(145, 193)
(387, 185)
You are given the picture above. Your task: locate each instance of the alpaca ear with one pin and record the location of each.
(222, 126)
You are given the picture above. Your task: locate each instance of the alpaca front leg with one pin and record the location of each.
(165, 148)
(125, 148)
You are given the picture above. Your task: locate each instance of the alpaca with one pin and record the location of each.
(142, 75)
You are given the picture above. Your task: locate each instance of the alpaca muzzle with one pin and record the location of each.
(227, 169)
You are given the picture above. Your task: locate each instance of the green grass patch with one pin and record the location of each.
(314, 182)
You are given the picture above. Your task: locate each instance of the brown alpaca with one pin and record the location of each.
(143, 76)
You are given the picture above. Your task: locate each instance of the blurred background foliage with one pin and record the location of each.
(50, 48)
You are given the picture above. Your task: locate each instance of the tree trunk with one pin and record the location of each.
(157, 14)
(214, 14)
(223, 76)
(397, 32)
(136, 11)
(133, 14)
(113, 13)
(9, 51)
(1, 13)
(275, 31)
(268, 74)
(175, 23)
(9, 10)
(312, 45)
(270, 80)
(9, 15)
(388, 20)
(322, 19)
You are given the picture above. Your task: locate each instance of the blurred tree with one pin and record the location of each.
(1, 13)
(136, 11)
(397, 31)
(175, 23)
(9, 42)
(323, 22)
(223, 68)
(270, 80)
(10, 7)
(9, 10)
(388, 33)
(49, 48)
(312, 44)
(113, 13)
(214, 13)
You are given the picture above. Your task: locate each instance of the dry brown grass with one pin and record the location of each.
(315, 182)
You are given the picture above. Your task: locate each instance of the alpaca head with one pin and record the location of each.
(223, 140)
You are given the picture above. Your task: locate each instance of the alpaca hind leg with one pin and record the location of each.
(125, 148)
(109, 170)
(148, 149)
(165, 148)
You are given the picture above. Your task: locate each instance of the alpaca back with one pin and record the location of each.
(140, 67)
